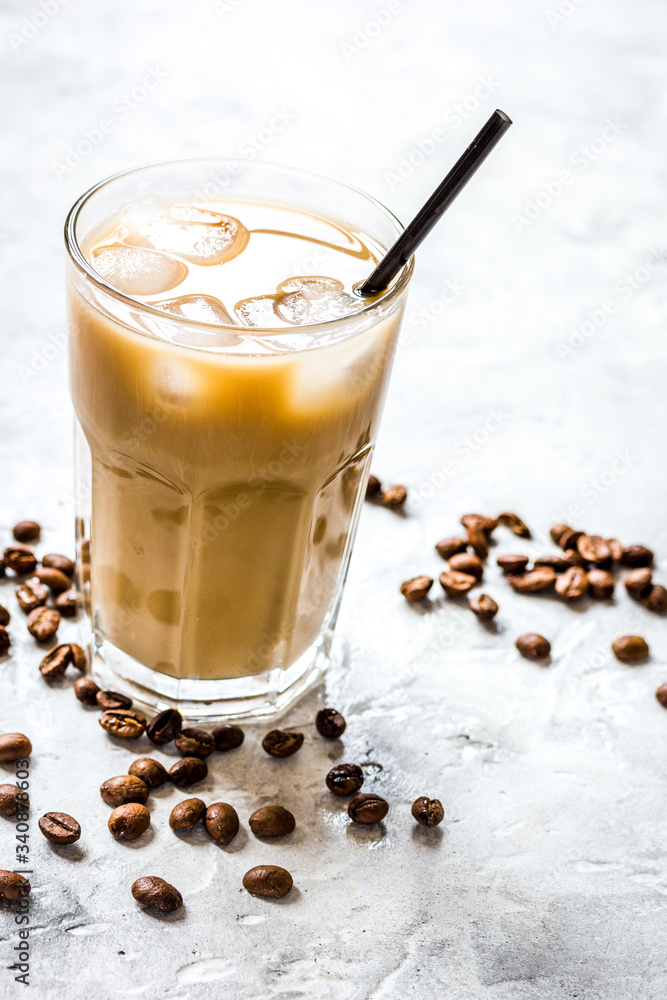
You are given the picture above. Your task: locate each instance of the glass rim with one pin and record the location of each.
(78, 259)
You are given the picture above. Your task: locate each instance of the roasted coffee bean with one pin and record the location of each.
(484, 607)
(228, 737)
(5, 616)
(616, 550)
(534, 581)
(636, 555)
(572, 558)
(61, 563)
(416, 589)
(466, 562)
(486, 524)
(27, 531)
(373, 487)
(123, 723)
(533, 646)
(13, 886)
(661, 695)
(124, 788)
(515, 524)
(638, 582)
(58, 659)
(86, 690)
(600, 584)
(43, 624)
(455, 584)
(165, 727)
(278, 743)
(128, 822)
(345, 779)
(428, 812)
(594, 549)
(78, 656)
(330, 723)
(558, 531)
(187, 814)
(268, 880)
(156, 894)
(572, 584)
(367, 808)
(630, 648)
(12, 799)
(59, 828)
(111, 700)
(559, 564)
(31, 594)
(449, 547)
(221, 822)
(394, 496)
(188, 771)
(67, 603)
(56, 581)
(569, 539)
(194, 743)
(512, 564)
(479, 528)
(5, 640)
(151, 772)
(20, 559)
(272, 821)
(14, 746)
(656, 599)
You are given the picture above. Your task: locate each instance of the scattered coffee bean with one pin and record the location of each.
(455, 584)
(656, 599)
(123, 789)
(20, 559)
(559, 564)
(330, 723)
(194, 743)
(222, 823)
(512, 564)
(5, 616)
(394, 496)
(367, 808)
(13, 886)
(56, 581)
(636, 555)
(533, 646)
(31, 594)
(272, 821)
(14, 746)
(59, 828)
(188, 771)
(111, 700)
(165, 727)
(638, 582)
(416, 589)
(123, 723)
(345, 779)
(572, 584)
(661, 695)
(569, 539)
(151, 772)
(128, 822)
(228, 737)
(27, 531)
(67, 603)
(515, 524)
(58, 659)
(486, 524)
(156, 894)
(428, 812)
(630, 648)
(278, 743)
(12, 799)
(43, 624)
(600, 584)
(594, 549)
(373, 487)
(572, 558)
(616, 550)
(268, 880)
(449, 547)
(86, 690)
(484, 607)
(187, 814)
(466, 562)
(558, 531)
(534, 581)
(5, 640)
(61, 563)
(78, 656)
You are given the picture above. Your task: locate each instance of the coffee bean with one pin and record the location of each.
(56, 581)
(124, 788)
(638, 582)
(572, 584)
(636, 555)
(569, 539)
(151, 772)
(43, 624)
(5, 616)
(268, 880)
(278, 743)
(13, 886)
(165, 727)
(616, 550)
(486, 524)
(455, 584)
(5, 640)
(26, 531)
(330, 723)
(20, 559)
(194, 743)
(111, 700)
(534, 581)
(367, 808)
(656, 599)
(484, 607)
(123, 723)
(31, 594)
(86, 690)
(187, 814)
(594, 549)
(394, 496)
(57, 660)
(600, 584)
(272, 821)
(345, 779)
(466, 562)
(479, 528)
(558, 531)
(67, 603)
(188, 771)
(59, 828)
(13, 799)
(61, 563)
(428, 812)
(559, 564)
(373, 487)
(416, 589)
(661, 695)
(630, 648)
(128, 822)
(512, 564)
(449, 547)
(156, 894)
(221, 822)
(78, 656)
(515, 524)
(228, 737)
(14, 746)
(533, 646)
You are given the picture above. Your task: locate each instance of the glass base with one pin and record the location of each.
(258, 696)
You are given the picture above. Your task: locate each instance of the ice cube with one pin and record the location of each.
(257, 311)
(190, 213)
(202, 308)
(315, 282)
(136, 271)
(199, 242)
(305, 300)
(137, 214)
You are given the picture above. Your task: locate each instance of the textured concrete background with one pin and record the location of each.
(531, 376)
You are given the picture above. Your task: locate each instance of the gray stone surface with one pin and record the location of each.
(547, 880)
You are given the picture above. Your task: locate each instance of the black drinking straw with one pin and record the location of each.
(439, 202)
